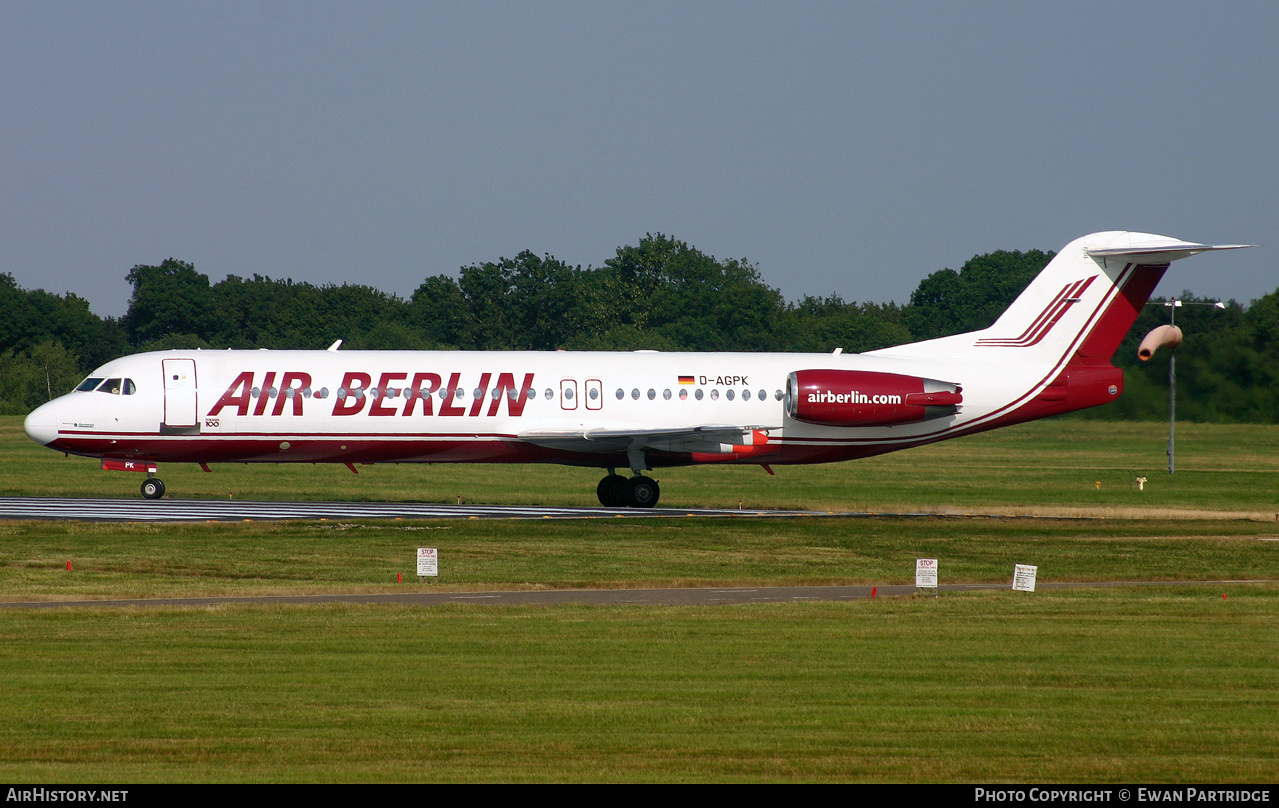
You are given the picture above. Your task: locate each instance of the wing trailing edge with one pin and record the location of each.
(690, 439)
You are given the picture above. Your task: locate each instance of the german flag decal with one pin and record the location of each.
(686, 380)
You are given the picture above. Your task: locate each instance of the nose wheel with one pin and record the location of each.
(153, 488)
(616, 491)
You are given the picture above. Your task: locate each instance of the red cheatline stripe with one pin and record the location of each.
(1035, 324)
(1049, 317)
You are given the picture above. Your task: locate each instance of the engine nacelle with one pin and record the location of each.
(867, 398)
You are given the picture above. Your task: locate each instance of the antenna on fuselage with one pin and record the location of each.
(335, 346)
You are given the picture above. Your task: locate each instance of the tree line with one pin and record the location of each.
(661, 294)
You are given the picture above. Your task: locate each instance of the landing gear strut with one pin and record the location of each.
(616, 491)
(153, 488)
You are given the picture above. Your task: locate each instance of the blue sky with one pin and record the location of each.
(840, 147)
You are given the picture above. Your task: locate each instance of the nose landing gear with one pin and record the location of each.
(153, 488)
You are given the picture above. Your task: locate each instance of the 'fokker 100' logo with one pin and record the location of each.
(394, 394)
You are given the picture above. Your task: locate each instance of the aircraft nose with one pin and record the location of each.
(42, 424)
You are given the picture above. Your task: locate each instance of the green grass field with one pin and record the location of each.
(1171, 686)
(1143, 684)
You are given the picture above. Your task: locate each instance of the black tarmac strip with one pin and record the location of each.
(598, 597)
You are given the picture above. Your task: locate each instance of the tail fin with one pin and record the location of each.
(1069, 321)
(1087, 297)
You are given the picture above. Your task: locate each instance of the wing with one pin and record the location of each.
(711, 438)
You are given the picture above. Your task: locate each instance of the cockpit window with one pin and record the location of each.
(116, 387)
(89, 384)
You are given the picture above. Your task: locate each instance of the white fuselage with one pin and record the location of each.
(364, 406)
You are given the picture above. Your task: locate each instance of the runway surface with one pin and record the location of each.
(191, 510)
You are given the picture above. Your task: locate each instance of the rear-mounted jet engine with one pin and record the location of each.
(867, 398)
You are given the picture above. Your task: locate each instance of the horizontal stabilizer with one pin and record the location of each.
(1143, 248)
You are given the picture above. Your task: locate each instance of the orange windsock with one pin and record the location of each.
(1165, 336)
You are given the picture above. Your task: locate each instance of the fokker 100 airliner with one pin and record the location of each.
(1049, 353)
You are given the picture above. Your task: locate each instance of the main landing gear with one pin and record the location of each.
(616, 491)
